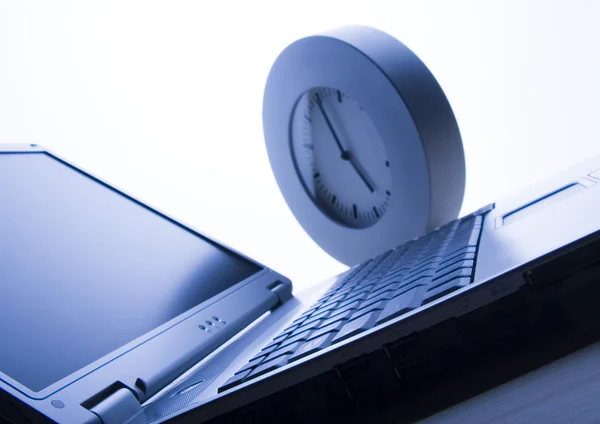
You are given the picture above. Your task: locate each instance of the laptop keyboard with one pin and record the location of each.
(376, 291)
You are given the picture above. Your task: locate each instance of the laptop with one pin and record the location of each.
(113, 312)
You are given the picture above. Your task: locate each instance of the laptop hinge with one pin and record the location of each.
(283, 290)
(114, 405)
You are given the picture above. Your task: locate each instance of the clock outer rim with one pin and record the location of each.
(427, 191)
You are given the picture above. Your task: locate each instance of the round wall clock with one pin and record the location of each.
(362, 142)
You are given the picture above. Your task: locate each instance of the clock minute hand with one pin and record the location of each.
(328, 122)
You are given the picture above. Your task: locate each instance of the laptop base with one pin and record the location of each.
(431, 370)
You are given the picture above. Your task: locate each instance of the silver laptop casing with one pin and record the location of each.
(534, 226)
(140, 383)
(114, 387)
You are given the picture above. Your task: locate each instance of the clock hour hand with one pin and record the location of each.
(361, 173)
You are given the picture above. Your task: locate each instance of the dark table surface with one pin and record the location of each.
(564, 391)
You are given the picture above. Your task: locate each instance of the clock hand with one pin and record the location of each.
(361, 173)
(328, 122)
(346, 155)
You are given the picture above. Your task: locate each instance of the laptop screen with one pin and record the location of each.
(84, 269)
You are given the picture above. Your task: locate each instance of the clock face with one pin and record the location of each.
(340, 157)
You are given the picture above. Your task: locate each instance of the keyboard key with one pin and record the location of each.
(308, 326)
(463, 251)
(368, 281)
(429, 258)
(366, 287)
(384, 285)
(252, 363)
(337, 297)
(398, 270)
(372, 307)
(340, 281)
(352, 306)
(459, 256)
(458, 263)
(290, 327)
(236, 380)
(422, 281)
(327, 306)
(363, 273)
(347, 289)
(296, 338)
(402, 303)
(468, 238)
(356, 326)
(388, 290)
(324, 298)
(287, 350)
(333, 290)
(345, 315)
(334, 327)
(444, 289)
(304, 315)
(394, 280)
(426, 274)
(270, 347)
(286, 332)
(269, 366)
(357, 297)
(381, 257)
(323, 301)
(449, 275)
(312, 346)
(420, 268)
(319, 316)
(373, 304)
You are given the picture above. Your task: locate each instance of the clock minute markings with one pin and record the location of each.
(354, 211)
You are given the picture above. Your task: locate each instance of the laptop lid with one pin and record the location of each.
(101, 292)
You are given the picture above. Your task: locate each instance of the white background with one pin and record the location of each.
(163, 99)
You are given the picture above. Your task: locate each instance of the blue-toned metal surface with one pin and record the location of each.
(538, 220)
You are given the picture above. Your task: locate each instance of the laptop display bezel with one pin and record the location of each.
(264, 276)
